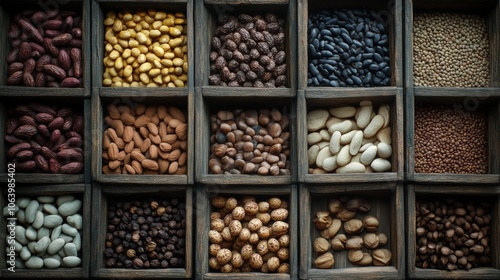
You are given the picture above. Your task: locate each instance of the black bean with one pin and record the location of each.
(313, 70)
(358, 64)
(378, 58)
(326, 32)
(380, 74)
(346, 38)
(356, 80)
(334, 83)
(357, 43)
(349, 81)
(326, 53)
(373, 67)
(335, 31)
(369, 42)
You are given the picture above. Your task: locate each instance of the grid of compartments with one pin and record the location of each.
(246, 93)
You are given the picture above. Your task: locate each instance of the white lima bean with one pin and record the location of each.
(359, 139)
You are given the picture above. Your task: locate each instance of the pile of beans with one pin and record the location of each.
(347, 225)
(349, 139)
(453, 233)
(450, 140)
(47, 232)
(249, 51)
(146, 234)
(145, 139)
(348, 48)
(145, 48)
(46, 49)
(250, 142)
(249, 235)
(450, 50)
(45, 139)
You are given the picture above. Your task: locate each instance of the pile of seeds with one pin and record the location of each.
(348, 48)
(449, 140)
(450, 50)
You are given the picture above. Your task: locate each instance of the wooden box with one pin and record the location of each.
(80, 191)
(8, 12)
(99, 126)
(466, 98)
(386, 200)
(210, 105)
(325, 100)
(207, 13)
(488, 193)
(204, 208)
(183, 97)
(76, 102)
(101, 194)
(391, 11)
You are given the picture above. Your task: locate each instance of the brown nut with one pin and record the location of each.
(370, 240)
(355, 256)
(322, 220)
(325, 261)
(353, 227)
(334, 206)
(338, 242)
(345, 215)
(332, 229)
(370, 223)
(355, 242)
(381, 257)
(366, 260)
(320, 245)
(382, 238)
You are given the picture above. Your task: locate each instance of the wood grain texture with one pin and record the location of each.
(4, 43)
(203, 209)
(456, 92)
(247, 92)
(3, 120)
(494, 36)
(412, 194)
(81, 191)
(15, 91)
(100, 196)
(253, 2)
(387, 204)
(137, 92)
(348, 93)
(302, 41)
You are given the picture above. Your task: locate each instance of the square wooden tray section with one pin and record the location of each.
(205, 106)
(492, 193)
(386, 201)
(7, 14)
(99, 9)
(81, 191)
(206, 14)
(328, 100)
(466, 102)
(100, 196)
(489, 8)
(391, 10)
(183, 102)
(204, 193)
(77, 102)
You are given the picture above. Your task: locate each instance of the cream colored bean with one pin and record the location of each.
(347, 137)
(384, 150)
(343, 112)
(325, 135)
(312, 154)
(365, 146)
(381, 165)
(330, 163)
(342, 127)
(316, 119)
(364, 113)
(335, 142)
(314, 138)
(374, 126)
(322, 155)
(353, 167)
(369, 155)
(384, 111)
(356, 143)
(344, 157)
(385, 135)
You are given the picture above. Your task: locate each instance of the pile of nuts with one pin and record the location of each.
(48, 231)
(249, 51)
(341, 230)
(46, 49)
(46, 139)
(250, 142)
(246, 235)
(348, 48)
(144, 139)
(347, 139)
(453, 233)
(450, 50)
(146, 234)
(450, 140)
(147, 48)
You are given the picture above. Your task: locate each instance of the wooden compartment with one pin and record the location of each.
(101, 194)
(210, 105)
(183, 102)
(7, 14)
(488, 193)
(80, 191)
(391, 11)
(489, 9)
(386, 200)
(325, 101)
(204, 208)
(82, 105)
(466, 103)
(99, 9)
(206, 14)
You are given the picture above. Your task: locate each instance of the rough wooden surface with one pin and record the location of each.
(203, 209)
(413, 191)
(82, 191)
(100, 196)
(253, 2)
(387, 204)
(227, 92)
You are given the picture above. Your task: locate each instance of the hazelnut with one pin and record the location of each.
(353, 226)
(382, 238)
(355, 242)
(354, 256)
(320, 245)
(334, 206)
(370, 223)
(370, 240)
(332, 229)
(381, 256)
(366, 260)
(322, 220)
(345, 215)
(324, 261)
